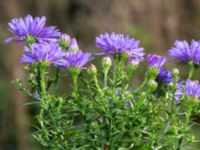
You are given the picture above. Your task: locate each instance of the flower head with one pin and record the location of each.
(164, 76)
(190, 88)
(156, 60)
(118, 43)
(77, 59)
(32, 29)
(185, 52)
(48, 52)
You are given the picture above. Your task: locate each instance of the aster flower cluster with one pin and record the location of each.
(46, 43)
(103, 108)
(113, 44)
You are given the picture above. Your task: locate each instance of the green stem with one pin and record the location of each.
(191, 69)
(173, 96)
(42, 70)
(186, 126)
(105, 78)
(75, 85)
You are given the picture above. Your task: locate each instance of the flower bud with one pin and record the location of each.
(152, 85)
(92, 70)
(106, 63)
(153, 72)
(175, 72)
(73, 47)
(64, 41)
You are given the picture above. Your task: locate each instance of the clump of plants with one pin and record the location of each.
(102, 110)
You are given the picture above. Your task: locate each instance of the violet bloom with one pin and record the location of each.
(156, 60)
(164, 76)
(33, 29)
(48, 52)
(77, 59)
(192, 88)
(185, 52)
(118, 43)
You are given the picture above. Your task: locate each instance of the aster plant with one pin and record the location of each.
(102, 108)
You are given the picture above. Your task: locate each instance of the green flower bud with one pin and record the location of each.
(92, 70)
(106, 63)
(175, 72)
(64, 41)
(152, 85)
(153, 72)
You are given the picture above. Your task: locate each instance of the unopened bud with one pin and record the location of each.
(106, 63)
(64, 41)
(153, 72)
(73, 47)
(92, 70)
(152, 85)
(175, 72)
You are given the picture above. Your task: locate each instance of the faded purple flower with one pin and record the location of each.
(156, 60)
(77, 59)
(118, 43)
(49, 52)
(185, 52)
(164, 76)
(32, 29)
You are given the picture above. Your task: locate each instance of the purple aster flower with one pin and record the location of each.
(49, 52)
(77, 59)
(164, 76)
(34, 28)
(185, 52)
(118, 43)
(192, 88)
(156, 60)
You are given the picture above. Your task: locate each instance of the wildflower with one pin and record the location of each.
(156, 60)
(119, 44)
(191, 89)
(48, 52)
(185, 52)
(77, 59)
(32, 29)
(164, 76)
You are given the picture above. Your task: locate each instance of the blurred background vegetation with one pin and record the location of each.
(157, 23)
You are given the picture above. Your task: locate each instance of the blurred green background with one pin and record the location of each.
(157, 23)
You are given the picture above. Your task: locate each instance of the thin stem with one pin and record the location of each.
(42, 72)
(75, 85)
(173, 96)
(191, 69)
(105, 78)
(188, 115)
